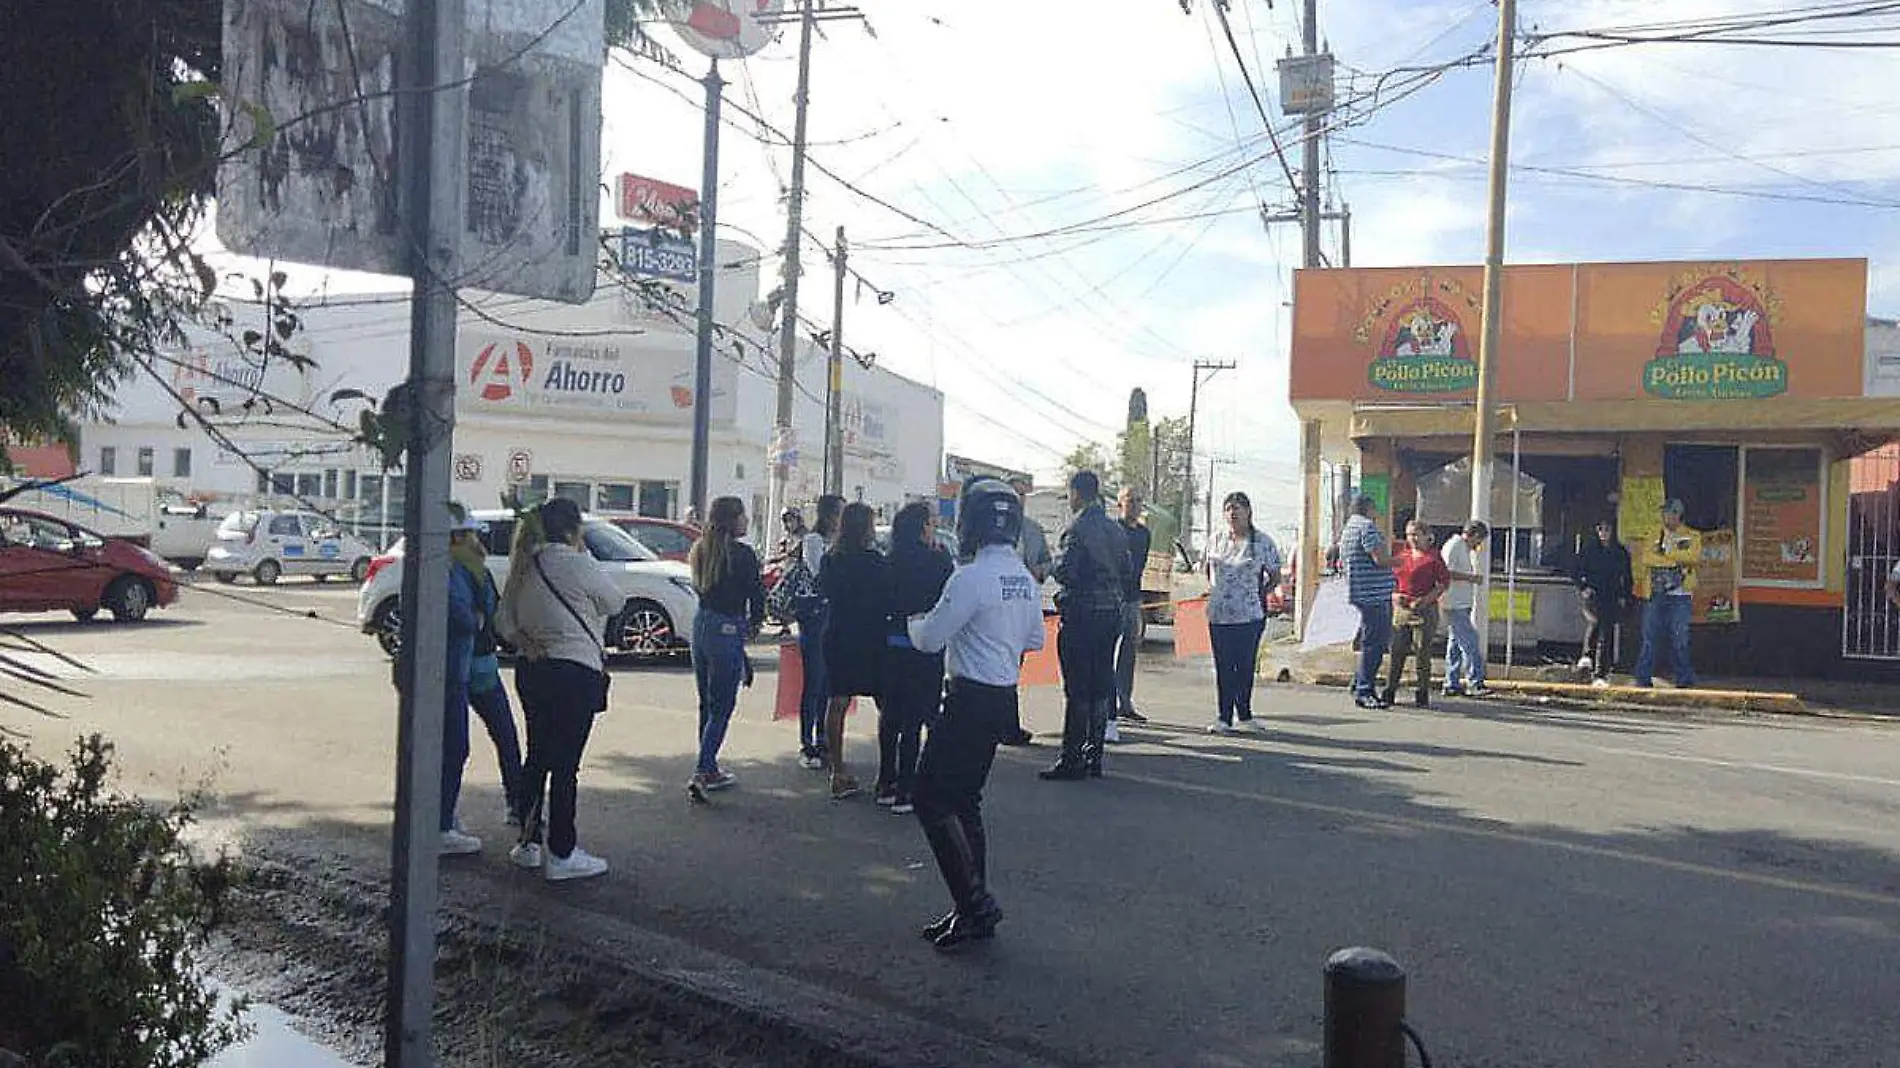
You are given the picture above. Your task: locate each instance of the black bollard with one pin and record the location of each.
(1365, 1010)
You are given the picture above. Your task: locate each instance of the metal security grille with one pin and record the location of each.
(1870, 627)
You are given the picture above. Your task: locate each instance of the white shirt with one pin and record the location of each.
(990, 614)
(534, 611)
(1460, 557)
(1236, 565)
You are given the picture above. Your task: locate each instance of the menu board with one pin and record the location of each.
(1781, 516)
(1715, 599)
(1639, 511)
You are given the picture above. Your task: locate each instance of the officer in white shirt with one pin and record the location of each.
(990, 614)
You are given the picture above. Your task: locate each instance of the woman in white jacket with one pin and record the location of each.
(553, 611)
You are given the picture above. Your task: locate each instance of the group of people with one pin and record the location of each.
(1408, 595)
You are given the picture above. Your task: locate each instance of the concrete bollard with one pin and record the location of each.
(1365, 1010)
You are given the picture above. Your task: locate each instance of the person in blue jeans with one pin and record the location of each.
(731, 610)
(465, 622)
(1669, 562)
(486, 695)
(1369, 586)
(813, 618)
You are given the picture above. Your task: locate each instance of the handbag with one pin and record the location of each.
(1269, 575)
(605, 681)
(796, 593)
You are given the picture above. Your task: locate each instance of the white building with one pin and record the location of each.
(592, 402)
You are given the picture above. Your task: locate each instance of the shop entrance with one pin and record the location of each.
(1870, 625)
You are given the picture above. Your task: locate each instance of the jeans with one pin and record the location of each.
(1085, 646)
(1236, 652)
(913, 690)
(1375, 636)
(718, 669)
(454, 751)
(817, 691)
(496, 714)
(1666, 617)
(1126, 649)
(1464, 651)
(1599, 615)
(555, 695)
(1413, 635)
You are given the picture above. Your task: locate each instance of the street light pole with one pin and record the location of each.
(708, 276)
(1187, 468)
(1485, 422)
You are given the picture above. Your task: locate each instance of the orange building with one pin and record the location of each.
(1749, 390)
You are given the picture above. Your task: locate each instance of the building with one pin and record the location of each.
(1757, 393)
(592, 402)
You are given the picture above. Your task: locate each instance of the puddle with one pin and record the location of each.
(276, 1045)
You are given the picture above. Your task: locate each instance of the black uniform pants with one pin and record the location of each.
(1086, 649)
(951, 774)
(556, 699)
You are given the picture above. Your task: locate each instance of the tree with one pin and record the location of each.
(1160, 482)
(1088, 456)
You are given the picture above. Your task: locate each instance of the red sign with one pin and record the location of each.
(493, 374)
(646, 200)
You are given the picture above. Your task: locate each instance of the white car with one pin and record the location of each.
(657, 619)
(268, 545)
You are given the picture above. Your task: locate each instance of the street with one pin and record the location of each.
(1563, 888)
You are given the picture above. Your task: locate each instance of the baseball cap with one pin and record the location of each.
(460, 522)
(1672, 506)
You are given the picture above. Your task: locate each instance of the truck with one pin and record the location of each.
(140, 510)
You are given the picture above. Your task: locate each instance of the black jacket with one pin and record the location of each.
(1093, 567)
(918, 574)
(1140, 544)
(856, 585)
(1605, 569)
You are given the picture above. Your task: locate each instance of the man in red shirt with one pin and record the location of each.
(1423, 579)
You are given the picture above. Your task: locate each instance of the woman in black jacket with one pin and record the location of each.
(913, 681)
(856, 586)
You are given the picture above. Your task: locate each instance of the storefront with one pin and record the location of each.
(1747, 390)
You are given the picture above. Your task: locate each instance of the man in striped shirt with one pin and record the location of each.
(1369, 586)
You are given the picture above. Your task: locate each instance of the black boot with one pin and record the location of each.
(1065, 770)
(940, 927)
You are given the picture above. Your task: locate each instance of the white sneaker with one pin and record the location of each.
(457, 844)
(1223, 728)
(1113, 733)
(1585, 664)
(579, 864)
(1601, 684)
(1251, 726)
(526, 856)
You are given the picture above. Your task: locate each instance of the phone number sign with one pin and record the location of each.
(657, 254)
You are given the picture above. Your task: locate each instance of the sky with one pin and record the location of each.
(970, 129)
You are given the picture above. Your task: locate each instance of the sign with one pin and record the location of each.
(520, 466)
(468, 467)
(1306, 84)
(724, 29)
(1519, 603)
(643, 377)
(1639, 512)
(657, 203)
(1781, 516)
(657, 254)
(1715, 580)
(311, 93)
(1717, 339)
(1379, 488)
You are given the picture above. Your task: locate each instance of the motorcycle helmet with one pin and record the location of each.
(990, 513)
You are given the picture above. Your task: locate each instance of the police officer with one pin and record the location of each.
(990, 614)
(1092, 574)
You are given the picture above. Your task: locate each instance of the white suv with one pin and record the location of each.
(269, 545)
(657, 619)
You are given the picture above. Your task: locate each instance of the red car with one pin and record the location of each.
(50, 565)
(667, 540)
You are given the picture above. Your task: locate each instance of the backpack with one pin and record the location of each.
(796, 592)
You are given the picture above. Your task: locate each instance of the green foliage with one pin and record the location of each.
(103, 910)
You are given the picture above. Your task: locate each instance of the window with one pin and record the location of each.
(309, 486)
(283, 485)
(656, 499)
(329, 484)
(263, 482)
(181, 463)
(610, 544)
(147, 461)
(581, 493)
(663, 540)
(285, 526)
(536, 491)
(108, 461)
(613, 497)
(349, 485)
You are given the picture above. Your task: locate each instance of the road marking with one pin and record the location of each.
(1740, 765)
(1772, 882)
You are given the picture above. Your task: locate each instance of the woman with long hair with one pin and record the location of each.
(554, 610)
(856, 587)
(913, 680)
(1241, 563)
(811, 614)
(731, 610)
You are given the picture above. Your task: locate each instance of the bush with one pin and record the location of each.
(103, 910)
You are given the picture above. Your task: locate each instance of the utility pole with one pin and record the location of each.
(434, 160)
(708, 274)
(1485, 421)
(1309, 164)
(834, 394)
(1187, 468)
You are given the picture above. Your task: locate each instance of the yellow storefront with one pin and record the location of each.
(1740, 388)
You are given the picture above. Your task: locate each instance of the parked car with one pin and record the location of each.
(267, 545)
(657, 618)
(667, 539)
(48, 564)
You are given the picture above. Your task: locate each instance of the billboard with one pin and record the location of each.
(1596, 332)
(617, 377)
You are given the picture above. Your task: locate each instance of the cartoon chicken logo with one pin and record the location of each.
(1423, 350)
(1717, 340)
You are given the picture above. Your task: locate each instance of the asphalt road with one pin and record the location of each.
(1564, 889)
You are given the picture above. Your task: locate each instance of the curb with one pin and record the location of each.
(1634, 698)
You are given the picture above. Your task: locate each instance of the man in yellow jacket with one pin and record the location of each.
(1666, 569)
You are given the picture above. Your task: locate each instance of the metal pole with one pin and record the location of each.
(1510, 565)
(1187, 468)
(1309, 161)
(794, 226)
(1345, 235)
(708, 279)
(1365, 1010)
(834, 390)
(1211, 464)
(1481, 444)
(435, 157)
